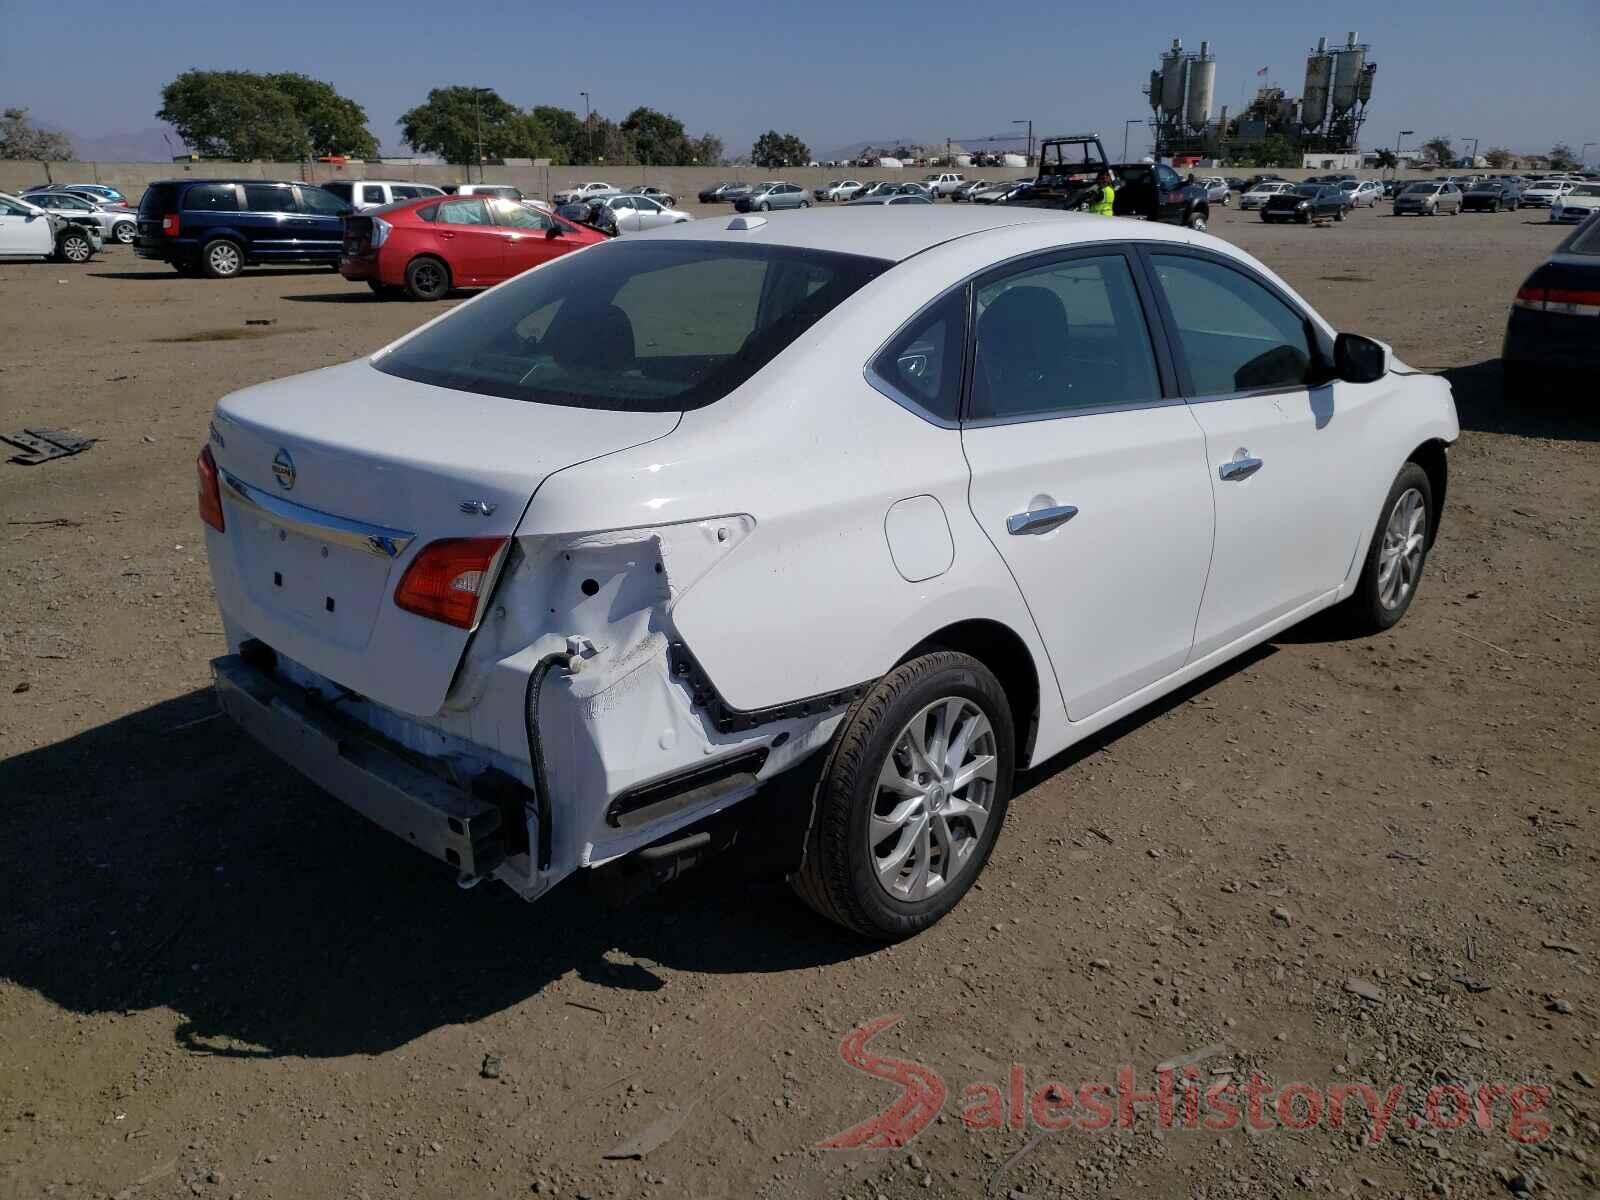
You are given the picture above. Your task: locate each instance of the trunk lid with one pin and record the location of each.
(332, 482)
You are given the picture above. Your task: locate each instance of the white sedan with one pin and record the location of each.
(1576, 205)
(1262, 192)
(585, 191)
(28, 231)
(638, 213)
(857, 511)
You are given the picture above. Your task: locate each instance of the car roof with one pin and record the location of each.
(891, 236)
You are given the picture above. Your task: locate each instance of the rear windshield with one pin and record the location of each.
(158, 199)
(634, 326)
(1585, 240)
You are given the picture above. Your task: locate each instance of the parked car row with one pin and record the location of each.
(28, 230)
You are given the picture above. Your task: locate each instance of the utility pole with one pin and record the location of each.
(1583, 154)
(477, 111)
(1127, 125)
(1029, 124)
(1402, 134)
(1474, 159)
(588, 140)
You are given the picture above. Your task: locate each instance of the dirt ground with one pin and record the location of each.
(1334, 862)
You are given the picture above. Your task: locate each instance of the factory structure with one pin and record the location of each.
(1325, 118)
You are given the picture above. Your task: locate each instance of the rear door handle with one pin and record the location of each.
(1239, 468)
(1040, 520)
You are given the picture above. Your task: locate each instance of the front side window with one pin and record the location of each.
(464, 212)
(10, 208)
(634, 326)
(267, 198)
(516, 216)
(321, 203)
(1066, 336)
(1235, 334)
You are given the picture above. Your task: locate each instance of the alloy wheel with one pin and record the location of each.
(76, 249)
(1405, 537)
(933, 799)
(224, 259)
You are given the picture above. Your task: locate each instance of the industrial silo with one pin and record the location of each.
(1202, 79)
(1319, 77)
(1364, 88)
(1347, 76)
(1174, 72)
(1155, 90)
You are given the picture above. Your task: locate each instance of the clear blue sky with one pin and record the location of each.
(1510, 74)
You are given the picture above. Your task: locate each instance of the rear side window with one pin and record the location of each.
(372, 193)
(268, 198)
(1068, 335)
(464, 212)
(321, 203)
(634, 327)
(158, 198)
(428, 212)
(922, 363)
(341, 190)
(211, 197)
(1235, 334)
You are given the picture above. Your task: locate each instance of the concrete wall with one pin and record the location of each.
(683, 182)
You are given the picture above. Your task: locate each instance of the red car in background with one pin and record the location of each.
(427, 247)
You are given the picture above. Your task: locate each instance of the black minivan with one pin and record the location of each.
(217, 227)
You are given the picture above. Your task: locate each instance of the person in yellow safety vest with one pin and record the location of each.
(1108, 194)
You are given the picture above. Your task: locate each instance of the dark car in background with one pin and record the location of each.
(1306, 203)
(1554, 327)
(1491, 195)
(717, 192)
(218, 227)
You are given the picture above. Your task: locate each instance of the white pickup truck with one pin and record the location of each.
(586, 191)
(943, 184)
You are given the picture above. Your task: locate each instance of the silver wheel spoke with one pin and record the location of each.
(889, 866)
(891, 781)
(887, 825)
(981, 767)
(917, 885)
(974, 815)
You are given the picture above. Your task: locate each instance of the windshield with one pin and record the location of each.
(1308, 189)
(1584, 240)
(634, 326)
(1422, 188)
(1586, 190)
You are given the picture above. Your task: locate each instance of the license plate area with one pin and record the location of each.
(330, 590)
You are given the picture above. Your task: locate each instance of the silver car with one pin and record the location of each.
(116, 224)
(1362, 192)
(637, 213)
(1217, 190)
(1428, 199)
(773, 194)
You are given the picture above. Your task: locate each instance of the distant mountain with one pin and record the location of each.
(144, 145)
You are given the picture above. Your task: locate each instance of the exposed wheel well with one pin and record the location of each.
(1430, 456)
(1003, 652)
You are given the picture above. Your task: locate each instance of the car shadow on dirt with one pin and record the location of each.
(248, 273)
(1559, 411)
(364, 296)
(162, 860)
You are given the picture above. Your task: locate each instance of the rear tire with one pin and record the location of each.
(1339, 216)
(124, 232)
(1196, 221)
(888, 859)
(221, 259)
(1398, 553)
(427, 278)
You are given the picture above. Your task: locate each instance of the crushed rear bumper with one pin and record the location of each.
(380, 780)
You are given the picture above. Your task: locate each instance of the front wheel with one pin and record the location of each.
(124, 233)
(763, 207)
(221, 259)
(74, 246)
(912, 797)
(1196, 221)
(1339, 215)
(805, 204)
(1227, 200)
(1397, 555)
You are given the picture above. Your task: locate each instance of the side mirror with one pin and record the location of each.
(553, 232)
(1359, 359)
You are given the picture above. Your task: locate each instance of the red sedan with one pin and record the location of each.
(427, 247)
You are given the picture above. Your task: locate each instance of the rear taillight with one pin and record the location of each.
(1530, 297)
(380, 231)
(449, 580)
(210, 494)
(1581, 302)
(170, 225)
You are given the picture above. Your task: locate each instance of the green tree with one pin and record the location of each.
(1439, 151)
(454, 119)
(565, 129)
(334, 124)
(707, 150)
(234, 114)
(1498, 157)
(659, 139)
(1386, 160)
(774, 149)
(1274, 150)
(1562, 158)
(21, 138)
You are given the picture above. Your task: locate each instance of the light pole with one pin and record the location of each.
(1583, 154)
(1029, 124)
(477, 113)
(1404, 133)
(1474, 160)
(1127, 125)
(586, 141)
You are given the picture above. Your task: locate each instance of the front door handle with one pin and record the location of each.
(1040, 520)
(1239, 468)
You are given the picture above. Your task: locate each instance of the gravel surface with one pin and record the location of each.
(1332, 862)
